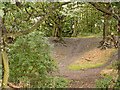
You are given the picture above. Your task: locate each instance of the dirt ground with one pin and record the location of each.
(69, 50)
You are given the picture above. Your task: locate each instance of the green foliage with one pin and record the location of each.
(73, 67)
(104, 83)
(89, 20)
(90, 34)
(61, 82)
(23, 15)
(1, 13)
(30, 60)
(116, 65)
(57, 82)
(117, 84)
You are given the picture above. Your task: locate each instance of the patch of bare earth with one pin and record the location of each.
(80, 50)
(109, 71)
(94, 58)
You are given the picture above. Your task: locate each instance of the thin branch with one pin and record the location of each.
(30, 14)
(27, 11)
(98, 7)
(36, 25)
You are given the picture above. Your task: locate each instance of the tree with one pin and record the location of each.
(14, 22)
(56, 23)
(115, 12)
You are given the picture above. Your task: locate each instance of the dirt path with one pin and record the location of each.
(83, 78)
(71, 50)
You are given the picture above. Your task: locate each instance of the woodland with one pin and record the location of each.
(31, 33)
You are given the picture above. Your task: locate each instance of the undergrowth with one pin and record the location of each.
(31, 63)
(104, 83)
(107, 78)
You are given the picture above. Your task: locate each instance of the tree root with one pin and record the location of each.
(61, 41)
(105, 45)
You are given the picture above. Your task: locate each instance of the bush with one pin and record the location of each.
(104, 83)
(30, 61)
(117, 84)
(56, 82)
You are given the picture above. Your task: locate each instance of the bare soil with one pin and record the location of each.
(69, 50)
(93, 58)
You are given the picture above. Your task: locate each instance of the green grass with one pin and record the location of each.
(87, 35)
(86, 65)
(78, 82)
(109, 66)
(71, 67)
(83, 36)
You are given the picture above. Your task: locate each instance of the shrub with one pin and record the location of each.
(104, 83)
(30, 61)
(117, 84)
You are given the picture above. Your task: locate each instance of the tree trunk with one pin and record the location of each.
(119, 46)
(6, 69)
(75, 27)
(60, 33)
(53, 31)
(0, 45)
(108, 24)
(71, 27)
(103, 43)
(106, 27)
(60, 26)
(4, 58)
(87, 20)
